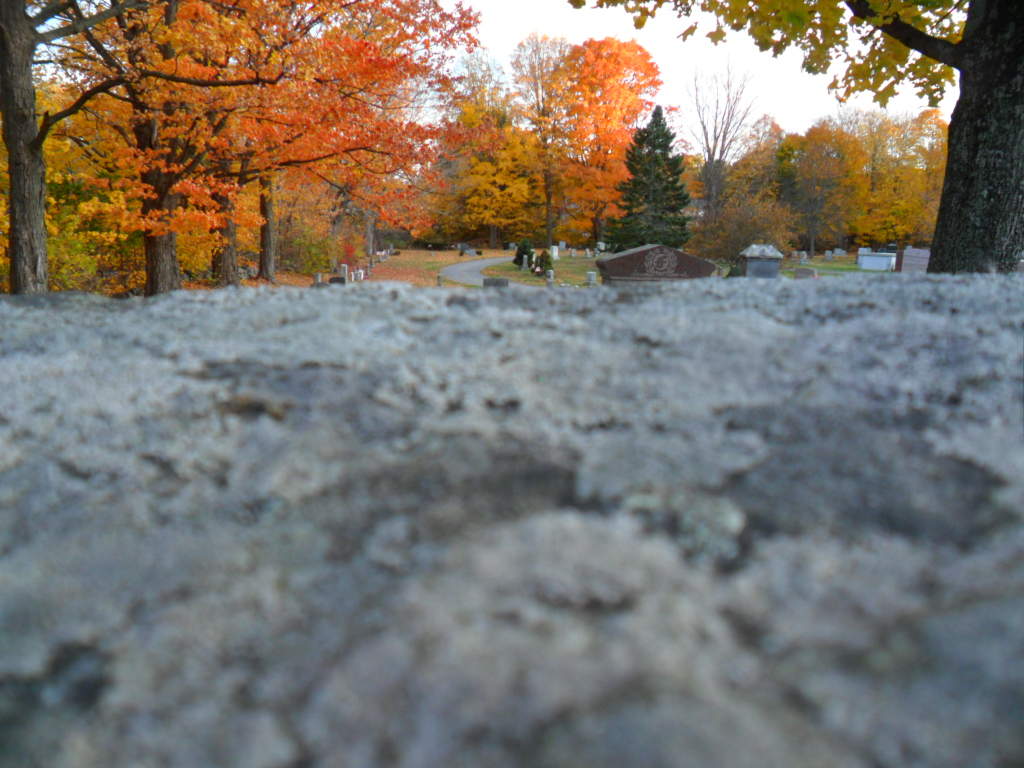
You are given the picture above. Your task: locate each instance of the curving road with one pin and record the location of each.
(471, 272)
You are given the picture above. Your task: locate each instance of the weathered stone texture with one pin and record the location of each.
(720, 523)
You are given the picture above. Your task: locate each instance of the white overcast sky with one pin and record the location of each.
(779, 86)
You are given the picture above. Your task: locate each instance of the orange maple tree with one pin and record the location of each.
(216, 94)
(611, 87)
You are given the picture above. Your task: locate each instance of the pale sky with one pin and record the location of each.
(779, 86)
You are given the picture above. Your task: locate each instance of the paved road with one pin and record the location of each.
(471, 272)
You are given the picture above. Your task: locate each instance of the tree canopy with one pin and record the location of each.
(918, 44)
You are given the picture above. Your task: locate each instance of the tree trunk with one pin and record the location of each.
(371, 235)
(549, 209)
(981, 215)
(337, 221)
(268, 230)
(493, 236)
(162, 273)
(225, 259)
(27, 198)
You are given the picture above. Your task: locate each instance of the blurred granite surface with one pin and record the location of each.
(726, 523)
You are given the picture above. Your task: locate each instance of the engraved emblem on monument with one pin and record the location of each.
(660, 262)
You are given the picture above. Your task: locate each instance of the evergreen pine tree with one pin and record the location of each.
(653, 197)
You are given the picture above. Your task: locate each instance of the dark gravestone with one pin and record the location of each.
(495, 282)
(652, 262)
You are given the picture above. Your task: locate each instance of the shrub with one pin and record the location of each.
(523, 251)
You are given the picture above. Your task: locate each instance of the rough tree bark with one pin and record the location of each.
(549, 208)
(268, 230)
(371, 234)
(162, 272)
(161, 247)
(225, 258)
(981, 214)
(27, 198)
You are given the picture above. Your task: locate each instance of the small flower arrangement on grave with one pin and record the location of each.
(542, 263)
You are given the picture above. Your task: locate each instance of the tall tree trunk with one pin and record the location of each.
(268, 230)
(549, 209)
(981, 215)
(162, 272)
(371, 234)
(337, 221)
(493, 236)
(597, 224)
(26, 201)
(225, 259)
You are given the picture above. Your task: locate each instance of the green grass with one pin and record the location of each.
(571, 271)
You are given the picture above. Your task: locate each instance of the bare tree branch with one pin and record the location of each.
(48, 121)
(82, 23)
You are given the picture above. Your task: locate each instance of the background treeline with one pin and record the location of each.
(543, 157)
(196, 133)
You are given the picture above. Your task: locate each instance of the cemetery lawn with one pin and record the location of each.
(571, 271)
(420, 267)
(841, 265)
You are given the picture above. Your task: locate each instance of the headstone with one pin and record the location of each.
(803, 273)
(876, 262)
(838, 252)
(591, 279)
(470, 252)
(916, 259)
(550, 278)
(828, 255)
(337, 281)
(495, 282)
(652, 263)
(440, 281)
(561, 244)
(761, 260)
(318, 281)
(344, 272)
(587, 253)
(600, 246)
(554, 253)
